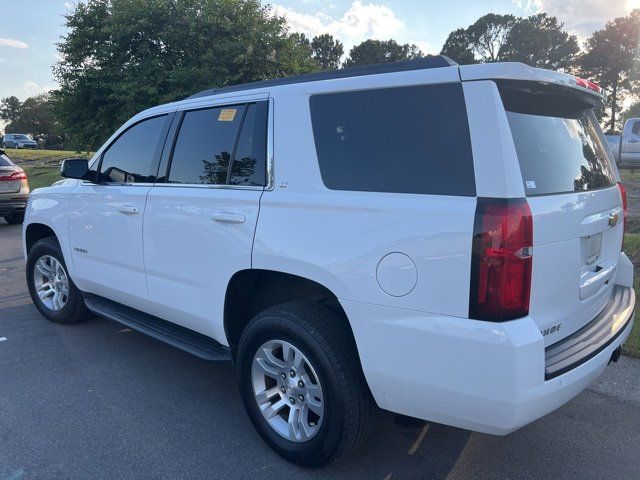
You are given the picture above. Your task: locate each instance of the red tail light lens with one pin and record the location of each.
(14, 176)
(581, 82)
(623, 194)
(501, 259)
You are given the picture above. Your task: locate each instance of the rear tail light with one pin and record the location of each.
(501, 259)
(14, 176)
(581, 82)
(623, 194)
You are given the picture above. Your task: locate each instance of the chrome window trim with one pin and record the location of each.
(204, 185)
(270, 138)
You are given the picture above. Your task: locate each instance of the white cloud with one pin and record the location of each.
(425, 47)
(32, 88)
(68, 5)
(582, 17)
(360, 22)
(10, 42)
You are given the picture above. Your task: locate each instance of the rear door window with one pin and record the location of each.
(223, 145)
(558, 143)
(401, 140)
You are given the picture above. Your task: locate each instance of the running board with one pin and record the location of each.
(183, 338)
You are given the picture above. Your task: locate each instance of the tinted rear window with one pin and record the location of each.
(402, 140)
(5, 162)
(557, 143)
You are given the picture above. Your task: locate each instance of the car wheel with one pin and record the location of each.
(14, 218)
(301, 383)
(53, 292)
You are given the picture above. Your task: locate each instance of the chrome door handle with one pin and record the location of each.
(633, 140)
(228, 217)
(128, 209)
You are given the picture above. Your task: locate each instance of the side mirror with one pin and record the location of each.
(75, 168)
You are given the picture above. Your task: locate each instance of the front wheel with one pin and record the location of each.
(301, 384)
(53, 292)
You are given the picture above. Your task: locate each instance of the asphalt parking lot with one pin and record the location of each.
(97, 400)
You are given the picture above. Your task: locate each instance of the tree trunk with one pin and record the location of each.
(614, 104)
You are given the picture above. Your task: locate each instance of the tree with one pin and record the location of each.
(327, 51)
(611, 59)
(378, 51)
(458, 47)
(632, 112)
(35, 116)
(122, 56)
(10, 109)
(540, 41)
(489, 34)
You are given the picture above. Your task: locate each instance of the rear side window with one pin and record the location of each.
(4, 161)
(401, 140)
(557, 142)
(131, 157)
(208, 139)
(636, 128)
(249, 160)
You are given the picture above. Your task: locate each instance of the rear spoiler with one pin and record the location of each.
(520, 71)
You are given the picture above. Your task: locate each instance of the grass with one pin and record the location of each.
(632, 249)
(41, 176)
(42, 166)
(43, 157)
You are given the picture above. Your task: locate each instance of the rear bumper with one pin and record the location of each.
(482, 376)
(15, 204)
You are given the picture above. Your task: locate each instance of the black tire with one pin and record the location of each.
(74, 310)
(14, 218)
(324, 338)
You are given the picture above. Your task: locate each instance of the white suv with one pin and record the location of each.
(441, 241)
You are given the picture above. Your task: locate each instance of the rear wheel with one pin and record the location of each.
(53, 292)
(301, 383)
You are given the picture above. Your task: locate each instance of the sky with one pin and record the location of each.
(28, 45)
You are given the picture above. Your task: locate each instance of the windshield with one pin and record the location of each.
(21, 137)
(558, 144)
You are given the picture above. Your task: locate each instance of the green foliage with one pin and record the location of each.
(458, 47)
(378, 51)
(632, 112)
(611, 59)
(122, 56)
(10, 109)
(488, 35)
(540, 41)
(327, 51)
(34, 116)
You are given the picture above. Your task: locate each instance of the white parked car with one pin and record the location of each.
(441, 241)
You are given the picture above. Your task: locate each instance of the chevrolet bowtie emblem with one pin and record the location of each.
(613, 219)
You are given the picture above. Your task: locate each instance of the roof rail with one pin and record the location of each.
(430, 61)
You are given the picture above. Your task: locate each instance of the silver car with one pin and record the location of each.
(18, 140)
(14, 190)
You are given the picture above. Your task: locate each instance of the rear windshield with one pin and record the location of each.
(4, 161)
(557, 142)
